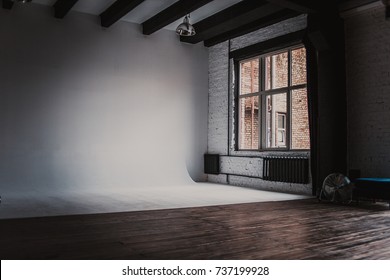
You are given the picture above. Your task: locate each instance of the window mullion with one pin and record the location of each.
(271, 70)
(275, 91)
(260, 115)
(249, 95)
(289, 92)
(298, 86)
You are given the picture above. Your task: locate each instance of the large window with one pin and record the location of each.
(272, 102)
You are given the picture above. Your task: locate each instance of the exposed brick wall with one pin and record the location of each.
(299, 106)
(300, 125)
(249, 76)
(249, 107)
(220, 118)
(368, 91)
(250, 124)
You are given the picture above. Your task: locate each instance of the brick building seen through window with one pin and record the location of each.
(272, 102)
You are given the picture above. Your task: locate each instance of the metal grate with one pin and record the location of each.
(286, 169)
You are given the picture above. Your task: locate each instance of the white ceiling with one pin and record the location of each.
(145, 10)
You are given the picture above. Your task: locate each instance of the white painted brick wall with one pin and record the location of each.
(368, 91)
(219, 119)
(269, 186)
(243, 166)
(218, 98)
(272, 31)
(218, 104)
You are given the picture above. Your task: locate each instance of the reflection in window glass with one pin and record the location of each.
(276, 120)
(281, 130)
(249, 123)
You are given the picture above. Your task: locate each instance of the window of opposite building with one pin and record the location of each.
(272, 101)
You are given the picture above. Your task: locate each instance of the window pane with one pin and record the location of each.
(267, 73)
(280, 70)
(300, 120)
(282, 121)
(249, 123)
(249, 73)
(276, 120)
(298, 65)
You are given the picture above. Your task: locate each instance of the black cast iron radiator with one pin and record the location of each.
(286, 169)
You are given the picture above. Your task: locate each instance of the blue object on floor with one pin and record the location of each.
(372, 188)
(375, 180)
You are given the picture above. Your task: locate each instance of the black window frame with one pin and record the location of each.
(262, 95)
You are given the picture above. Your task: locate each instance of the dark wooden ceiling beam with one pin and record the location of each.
(118, 10)
(301, 6)
(346, 5)
(238, 15)
(172, 13)
(387, 5)
(252, 26)
(7, 4)
(62, 7)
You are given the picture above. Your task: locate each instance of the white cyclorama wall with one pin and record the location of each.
(86, 107)
(368, 90)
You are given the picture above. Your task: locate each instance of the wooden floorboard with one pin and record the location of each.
(300, 229)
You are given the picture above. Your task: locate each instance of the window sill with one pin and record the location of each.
(272, 152)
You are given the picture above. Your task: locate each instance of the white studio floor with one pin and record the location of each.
(36, 204)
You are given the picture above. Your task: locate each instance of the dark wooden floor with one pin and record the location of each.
(302, 229)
